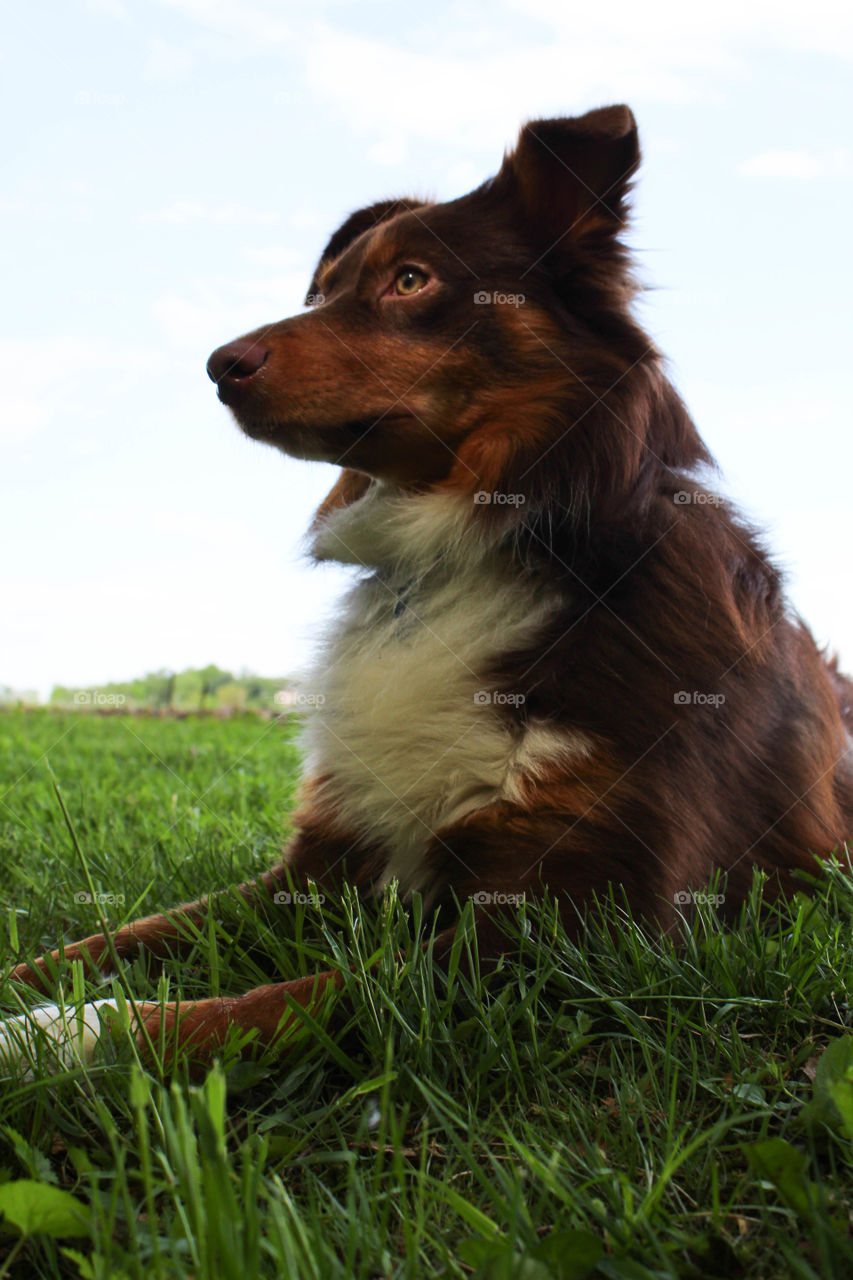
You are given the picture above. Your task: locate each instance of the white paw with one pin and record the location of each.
(52, 1036)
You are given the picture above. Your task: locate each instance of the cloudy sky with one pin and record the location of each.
(171, 171)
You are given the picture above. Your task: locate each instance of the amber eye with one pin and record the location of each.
(410, 280)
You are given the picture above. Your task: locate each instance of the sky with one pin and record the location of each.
(170, 172)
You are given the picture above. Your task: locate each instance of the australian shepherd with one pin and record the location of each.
(566, 662)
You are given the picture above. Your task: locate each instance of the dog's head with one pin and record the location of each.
(470, 344)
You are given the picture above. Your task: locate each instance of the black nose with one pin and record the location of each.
(237, 361)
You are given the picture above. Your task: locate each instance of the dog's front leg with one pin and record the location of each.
(199, 1029)
(170, 933)
(314, 854)
(195, 1030)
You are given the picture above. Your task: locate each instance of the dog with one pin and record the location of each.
(567, 663)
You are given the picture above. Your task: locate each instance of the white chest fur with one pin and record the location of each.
(408, 724)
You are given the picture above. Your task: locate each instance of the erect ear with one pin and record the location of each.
(571, 176)
(356, 224)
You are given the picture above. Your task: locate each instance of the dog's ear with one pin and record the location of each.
(570, 177)
(356, 224)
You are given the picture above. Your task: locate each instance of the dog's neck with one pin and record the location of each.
(404, 536)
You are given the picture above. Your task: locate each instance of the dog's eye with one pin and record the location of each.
(410, 280)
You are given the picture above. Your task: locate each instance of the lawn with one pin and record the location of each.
(625, 1107)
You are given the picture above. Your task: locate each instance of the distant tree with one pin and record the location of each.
(256, 688)
(231, 695)
(160, 689)
(212, 678)
(10, 697)
(261, 690)
(194, 688)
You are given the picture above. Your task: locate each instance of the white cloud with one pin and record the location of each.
(255, 26)
(193, 322)
(804, 165)
(701, 35)
(183, 212)
(61, 371)
(781, 164)
(391, 149)
(113, 8)
(15, 205)
(216, 310)
(361, 81)
(46, 201)
(213, 531)
(167, 61)
(482, 83)
(20, 419)
(273, 255)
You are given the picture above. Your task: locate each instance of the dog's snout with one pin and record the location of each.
(236, 362)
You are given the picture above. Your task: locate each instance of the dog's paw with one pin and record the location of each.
(53, 1037)
(93, 953)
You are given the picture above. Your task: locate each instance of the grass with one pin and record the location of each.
(624, 1108)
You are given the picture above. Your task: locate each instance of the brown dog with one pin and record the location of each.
(566, 663)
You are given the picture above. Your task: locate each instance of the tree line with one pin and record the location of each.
(208, 688)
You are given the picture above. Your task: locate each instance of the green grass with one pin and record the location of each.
(623, 1108)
